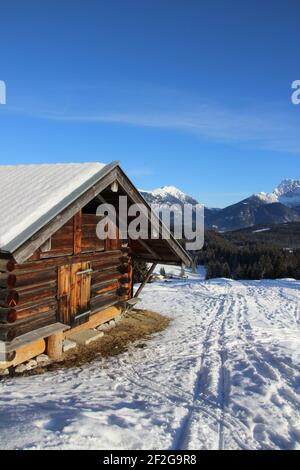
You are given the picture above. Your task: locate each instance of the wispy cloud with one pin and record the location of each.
(261, 128)
(266, 130)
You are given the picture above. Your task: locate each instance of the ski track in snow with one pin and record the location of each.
(224, 375)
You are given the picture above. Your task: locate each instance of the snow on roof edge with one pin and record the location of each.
(29, 231)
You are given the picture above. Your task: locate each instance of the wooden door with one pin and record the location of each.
(74, 291)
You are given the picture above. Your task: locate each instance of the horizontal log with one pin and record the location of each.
(113, 259)
(111, 265)
(36, 280)
(123, 291)
(7, 265)
(90, 219)
(37, 295)
(63, 236)
(103, 301)
(10, 332)
(26, 280)
(91, 247)
(124, 280)
(12, 315)
(36, 266)
(28, 305)
(8, 298)
(36, 287)
(106, 288)
(62, 244)
(103, 287)
(57, 254)
(7, 315)
(91, 251)
(35, 309)
(92, 244)
(89, 229)
(7, 280)
(48, 263)
(24, 353)
(90, 234)
(109, 275)
(96, 319)
(123, 268)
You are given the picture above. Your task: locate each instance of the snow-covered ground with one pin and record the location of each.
(225, 374)
(261, 230)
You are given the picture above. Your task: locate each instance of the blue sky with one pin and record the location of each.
(195, 94)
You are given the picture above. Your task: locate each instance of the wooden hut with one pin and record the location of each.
(56, 275)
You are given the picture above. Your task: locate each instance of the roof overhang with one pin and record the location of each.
(150, 252)
(25, 244)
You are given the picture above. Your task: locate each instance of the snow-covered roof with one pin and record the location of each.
(34, 199)
(31, 195)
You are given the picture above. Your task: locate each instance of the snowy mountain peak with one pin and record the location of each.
(287, 186)
(267, 197)
(167, 195)
(169, 190)
(287, 192)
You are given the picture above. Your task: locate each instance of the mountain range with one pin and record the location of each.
(280, 206)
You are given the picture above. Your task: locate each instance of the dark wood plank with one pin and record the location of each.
(77, 232)
(63, 291)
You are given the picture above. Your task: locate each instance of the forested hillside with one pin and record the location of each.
(237, 257)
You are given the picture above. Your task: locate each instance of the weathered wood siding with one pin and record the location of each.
(89, 241)
(29, 293)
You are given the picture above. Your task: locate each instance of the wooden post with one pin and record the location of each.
(77, 232)
(130, 273)
(194, 263)
(194, 267)
(153, 266)
(55, 345)
(182, 270)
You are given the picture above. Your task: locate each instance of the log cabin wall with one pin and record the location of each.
(29, 292)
